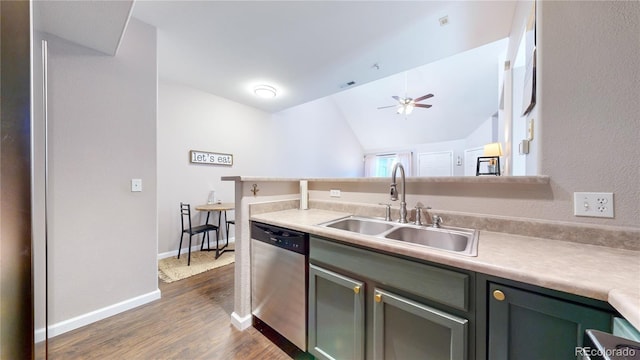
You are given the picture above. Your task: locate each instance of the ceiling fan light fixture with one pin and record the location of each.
(408, 108)
(405, 109)
(265, 91)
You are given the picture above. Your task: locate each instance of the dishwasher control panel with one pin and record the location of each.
(281, 237)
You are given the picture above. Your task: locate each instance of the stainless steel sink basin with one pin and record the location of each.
(458, 240)
(360, 225)
(445, 239)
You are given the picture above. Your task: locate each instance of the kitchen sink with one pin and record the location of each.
(433, 237)
(361, 225)
(458, 240)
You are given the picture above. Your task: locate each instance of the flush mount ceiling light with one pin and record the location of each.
(265, 91)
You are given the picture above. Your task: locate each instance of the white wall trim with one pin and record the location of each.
(96, 315)
(241, 323)
(194, 248)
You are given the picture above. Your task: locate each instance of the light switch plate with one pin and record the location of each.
(136, 185)
(593, 204)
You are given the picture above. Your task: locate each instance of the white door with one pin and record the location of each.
(471, 159)
(435, 164)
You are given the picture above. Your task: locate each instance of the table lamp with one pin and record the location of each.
(493, 152)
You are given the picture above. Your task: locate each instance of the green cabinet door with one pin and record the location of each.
(405, 329)
(336, 315)
(525, 325)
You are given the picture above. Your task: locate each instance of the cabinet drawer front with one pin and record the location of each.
(406, 329)
(336, 315)
(443, 286)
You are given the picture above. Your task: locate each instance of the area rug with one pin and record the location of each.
(173, 269)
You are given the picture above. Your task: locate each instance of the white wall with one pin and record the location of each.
(314, 140)
(589, 86)
(482, 135)
(306, 141)
(521, 164)
(519, 129)
(102, 133)
(190, 119)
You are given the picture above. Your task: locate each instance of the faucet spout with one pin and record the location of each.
(394, 191)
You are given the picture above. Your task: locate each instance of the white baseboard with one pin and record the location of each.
(193, 249)
(240, 323)
(91, 317)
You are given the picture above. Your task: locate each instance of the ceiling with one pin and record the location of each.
(465, 88)
(312, 49)
(98, 25)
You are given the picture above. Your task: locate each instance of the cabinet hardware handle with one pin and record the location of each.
(378, 298)
(498, 295)
(356, 289)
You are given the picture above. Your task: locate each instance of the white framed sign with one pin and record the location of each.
(210, 158)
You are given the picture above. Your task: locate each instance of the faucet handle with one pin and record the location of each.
(418, 215)
(387, 213)
(436, 221)
(419, 207)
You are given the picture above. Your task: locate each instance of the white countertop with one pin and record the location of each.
(597, 272)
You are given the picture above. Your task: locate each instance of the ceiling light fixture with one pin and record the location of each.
(265, 91)
(406, 107)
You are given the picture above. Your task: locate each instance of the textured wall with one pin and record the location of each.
(589, 55)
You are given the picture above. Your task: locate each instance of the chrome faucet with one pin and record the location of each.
(394, 192)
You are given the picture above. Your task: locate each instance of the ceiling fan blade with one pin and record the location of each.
(423, 97)
(385, 107)
(423, 105)
(398, 98)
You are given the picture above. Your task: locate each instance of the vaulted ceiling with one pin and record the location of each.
(312, 49)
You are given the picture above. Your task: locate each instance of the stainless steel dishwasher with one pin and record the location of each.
(279, 269)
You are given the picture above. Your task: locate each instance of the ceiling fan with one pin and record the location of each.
(405, 105)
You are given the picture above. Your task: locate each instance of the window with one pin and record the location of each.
(381, 165)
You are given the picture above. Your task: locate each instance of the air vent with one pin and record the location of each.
(444, 20)
(347, 84)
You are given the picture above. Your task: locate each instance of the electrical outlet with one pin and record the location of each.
(334, 193)
(136, 185)
(593, 204)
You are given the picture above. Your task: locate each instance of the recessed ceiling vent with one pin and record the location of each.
(347, 84)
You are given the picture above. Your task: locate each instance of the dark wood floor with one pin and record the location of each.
(191, 321)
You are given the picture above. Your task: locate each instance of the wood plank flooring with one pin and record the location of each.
(190, 321)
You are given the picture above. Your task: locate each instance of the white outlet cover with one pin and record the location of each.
(593, 204)
(136, 185)
(334, 193)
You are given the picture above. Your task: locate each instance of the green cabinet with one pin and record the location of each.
(364, 304)
(336, 315)
(528, 325)
(406, 329)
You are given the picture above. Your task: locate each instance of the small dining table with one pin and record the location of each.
(221, 209)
